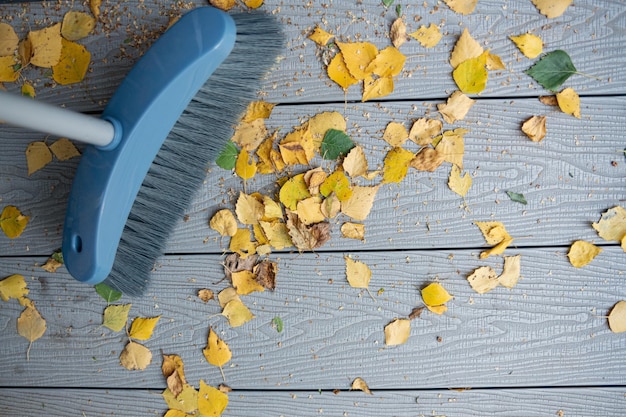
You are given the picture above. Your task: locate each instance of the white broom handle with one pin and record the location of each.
(31, 114)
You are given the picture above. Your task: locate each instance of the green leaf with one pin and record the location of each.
(278, 323)
(518, 198)
(109, 294)
(387, 3)
(228, 157)
(335, 143)
(399, 10)
(552, 70)
(57, 256)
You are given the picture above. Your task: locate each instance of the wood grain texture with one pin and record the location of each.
(591, 33)
(569, 179)
(583, 402)
(549, 330)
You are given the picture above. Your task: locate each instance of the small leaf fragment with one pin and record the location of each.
(13, 286)
(353, 230)
(428, 37)
(552, 8)
(397, 33)
(510, 271)
(397, 332)
(457, 183)
(320, 36)
(517, 197)
(135, 357)
(360, 384)
(462, 6)
(277, 323)
(581, 253)
(612, 224)
(206, 294)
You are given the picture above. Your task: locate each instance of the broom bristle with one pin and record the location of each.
(203, 129)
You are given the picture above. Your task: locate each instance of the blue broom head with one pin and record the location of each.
(179, 169)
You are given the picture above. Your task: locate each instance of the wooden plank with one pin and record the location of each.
(550, 330)
(569, 179)
(591, 33)
(543, 402)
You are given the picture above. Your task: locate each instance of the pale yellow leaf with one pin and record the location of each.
(483, 279)
(249, 209)
(353, 230)
(569, 102)
(612, 224)
(456, 107)
(38, 155)
(8, 40)
(142, 328)
(397, 332)
(457, 183)
(331, 206)
(493, 232)
(510, 271)
(186, 401)
(496, 250)
(359, 205)
(357, 273)
(361, 385)
(423, 130)
(395, 134)
(465, 48)
(617, 317)
(227, 295)
(322, 122)
(31, 326)
(249, 134)
(277, 234)
(135, 357)
(116, 316)
(552, 8)
(309, 210)
(530, 45)
(462, 6)
(237, 313)
(428, 37)
(271, 209)
(452, 146)
(581, 253)
(355, 162)
(494, 62)
(535, 128)
(224, 223)
(240, 243)
(46, 46)
(77, 25)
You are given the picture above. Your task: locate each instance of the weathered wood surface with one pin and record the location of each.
(549, 330)
(582, 402)
(571, 177)
(593, 34)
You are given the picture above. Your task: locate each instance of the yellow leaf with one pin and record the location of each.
(38, 155)
(237, 313)
(581, 253)
(339, 73)
(428, 37)
(249, 209)
(510, 271)
(135, 357)
(31, 326)
(359, 205)
(465, 48)
(46, 46)
(73, 63)
(358, 273)
(471, 75)
(77, 25)
(186, 401)
(552, 8)
(320, 36)
(13, 222)
(13, 286)
(493, 232)
(397, 332)
(244, 282)
(387, 63)
(353, 230)
(292, 191)
(240, 243)
(397, 32)
(297, 147)
(494, 62)
(277, 234)
(116, 316)
(452, 146)
(175, 413)
(435, 295)
(376, 87)
(483, 279)
(224, 223)
(428, 159)
(530, 45)
(423, 130)
(211, 401)
(309, 210)
(173, 370)
(250, 134)
(535, 128)
(456, 107)
(395, 134)
(227, 295)
(322, 122)
(331, 206)
(569, 102)
(357, 57)
(94, 6)
(63, 149)
(8, 40)
(337, 183)
(355, 163)
(458, 184)
(617, 317)
(24, 51)
(8, 72)
(438, 309)
(361, 385)
(269, 159)
(258, 110)
(612, 224)
(253, 4)
(462, 6)
(396, 165)
(245, 167)
(217, 352)
(142, 328)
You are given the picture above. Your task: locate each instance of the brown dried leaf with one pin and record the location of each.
(265, 274)
(428, 159)
(397, 33)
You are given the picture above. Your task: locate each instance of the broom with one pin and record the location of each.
(128, 194)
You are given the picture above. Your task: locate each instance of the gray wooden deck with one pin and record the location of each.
(542, 348)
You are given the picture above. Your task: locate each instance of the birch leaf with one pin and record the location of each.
(277, 234)
(241, 244)
(458, 184)
(612, 224)
(355, 162)
(428, 159)
(13, 222)
(337, 183)
(339, 72)
(374, 88)
(397, 33)
(107, 293)
(396, 165)
(135, 357)
(530, 45)
(77, 25)
(361, 385)
(142, 328)
(31, 326)
(397, 332)
(552, 70)
(569, 102)
(8, 40)
(581, 253)
(94, 6)
(258, 110)
(211, 401)
(353, 230)
(423, 130)
(452, 146)
(617, 317)
(483, 279)
(245, 167)
(395, 134)
(456, 107)
(387, 63)
(357, 273)
(237, 313)
(292, 191)
(465, 48)
(462, 6)
(224, 223)
(320, 36)
(357, 57)
(38, 155)
(510, 271)
(116, 316)
(535, 128)
(359, 205)
(46, 46)
(8, 69)
(228, 156)
(435, 295)
(245, 283)
(216, 352)
(471, 75)
(186, 401)
(253, 4)
(249, 209)
(13, 286)
(63, 149)
(552, 8)
(250, 133)
(335, 143)
(321, 123)
(428, 37)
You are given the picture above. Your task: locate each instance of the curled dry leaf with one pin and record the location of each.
(535, 128)
(265, 274)
(456, 107)
(397, 332)
(206, 294)
(360, 384)
(510, 271)
(427, 159)
(612, 224)
(135, 357)
(617, 317)
(483, 279)
(581, 253)
(397, 33)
